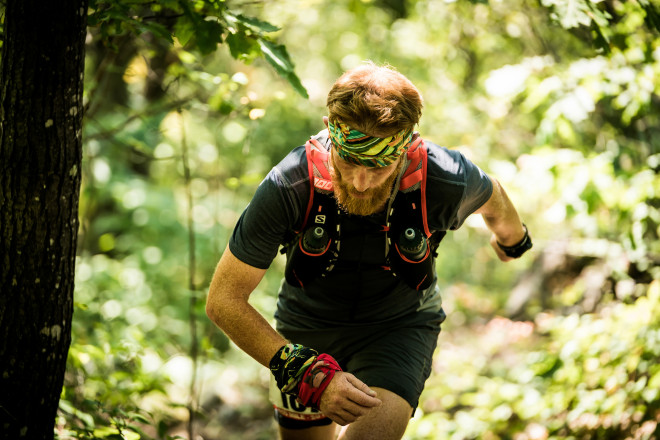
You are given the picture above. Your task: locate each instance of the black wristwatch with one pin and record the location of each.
(517, 250)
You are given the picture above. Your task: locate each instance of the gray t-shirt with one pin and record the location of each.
(357, 291)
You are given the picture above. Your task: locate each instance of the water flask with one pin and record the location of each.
(315, 240)
(412, 244)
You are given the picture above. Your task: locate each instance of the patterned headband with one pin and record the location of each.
(358, 148)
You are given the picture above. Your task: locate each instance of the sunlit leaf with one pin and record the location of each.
(278, 57)
(184, 31)
(242, 47)
(255, 23)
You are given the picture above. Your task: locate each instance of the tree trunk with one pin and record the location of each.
(41, 84)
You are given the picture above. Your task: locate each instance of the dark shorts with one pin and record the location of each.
(396, 356)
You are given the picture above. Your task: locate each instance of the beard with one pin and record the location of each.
(375, 199)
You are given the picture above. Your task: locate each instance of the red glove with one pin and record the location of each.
(316, 379)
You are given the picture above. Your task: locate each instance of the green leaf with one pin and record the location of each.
(224, 107)
(569, 13)
(601, 40)
(157, 29)
(255, 23)
(186, 57)
(139, 417)
(108, 432)
(162, 429)
(81, 306)
(278, 57)
(184, 30)
(242, 47)
(93, 19)
(67, 407)
(208, 35)
(138, 430)
(652, 17)
(195, 30)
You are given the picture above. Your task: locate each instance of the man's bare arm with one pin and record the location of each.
(227, 306)
(502, 219)
(345, 399)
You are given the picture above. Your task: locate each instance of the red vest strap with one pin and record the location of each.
(424, 155)
(411, 179)
(318, 156)
(417, 174)
(412, 175)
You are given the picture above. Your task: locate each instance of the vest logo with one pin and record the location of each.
(323, 184)
(319, 219)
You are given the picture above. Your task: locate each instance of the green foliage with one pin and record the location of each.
(604, 18)
(571, 14)
(96, 422)
(196, 26)
(571, 132)
(563, 377)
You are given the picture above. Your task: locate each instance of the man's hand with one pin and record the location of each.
(511, 252)
(498, 250)
(347, 398)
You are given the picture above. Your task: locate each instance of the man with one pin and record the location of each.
(358, 316)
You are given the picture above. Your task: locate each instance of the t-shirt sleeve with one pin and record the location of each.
(478, 189)
(263, 225)
(456, 188)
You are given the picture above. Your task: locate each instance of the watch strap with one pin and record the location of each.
(520, 248)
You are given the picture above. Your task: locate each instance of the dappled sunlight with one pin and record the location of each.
(510, 376)
(560, 107)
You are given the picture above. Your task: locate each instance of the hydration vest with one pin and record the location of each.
(410, 245)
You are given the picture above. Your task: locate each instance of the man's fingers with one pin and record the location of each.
(498, 250)
(365, 395)
(347, 398)
(357, 383)
(337, 419)
(346, 416)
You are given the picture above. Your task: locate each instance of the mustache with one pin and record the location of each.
(366, 202)
(352, 190)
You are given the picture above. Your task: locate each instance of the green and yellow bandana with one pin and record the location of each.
(358, 148)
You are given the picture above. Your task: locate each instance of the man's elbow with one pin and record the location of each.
(214, 308)
(209, 310)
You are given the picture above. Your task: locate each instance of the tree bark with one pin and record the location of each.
(41, 86)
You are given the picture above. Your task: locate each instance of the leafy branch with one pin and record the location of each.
(200, 27)
(598, 17)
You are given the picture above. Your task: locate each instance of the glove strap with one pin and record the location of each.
(316, 379)
(302, 372)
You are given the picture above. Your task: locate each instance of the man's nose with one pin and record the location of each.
(361, 180)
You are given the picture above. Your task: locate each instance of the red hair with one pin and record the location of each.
(376, 100)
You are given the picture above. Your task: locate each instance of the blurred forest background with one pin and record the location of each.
(557, 99)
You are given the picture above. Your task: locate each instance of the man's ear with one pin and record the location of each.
(325, 121)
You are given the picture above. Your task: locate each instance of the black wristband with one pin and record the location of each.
(289, 364)
(517, 250)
